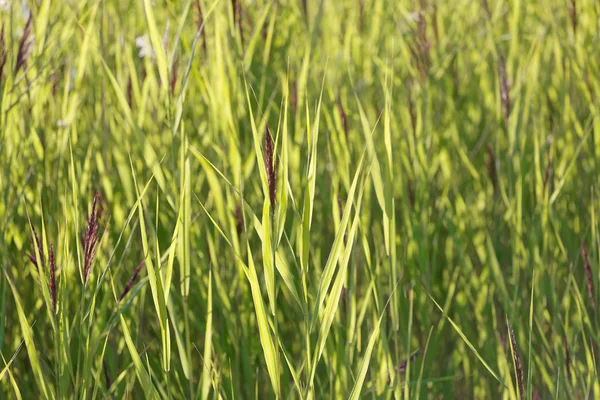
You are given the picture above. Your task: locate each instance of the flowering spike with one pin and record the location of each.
(269, 167)
(37, 243)
(588, 274)
(131, 281)
(91, 237)
(52, 282)
(25, 45)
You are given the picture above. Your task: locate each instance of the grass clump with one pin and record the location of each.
(294, 199)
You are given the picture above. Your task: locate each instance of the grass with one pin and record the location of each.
(239, 199)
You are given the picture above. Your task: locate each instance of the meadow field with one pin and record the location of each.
(299, 199)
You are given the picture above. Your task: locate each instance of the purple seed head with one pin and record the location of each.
(52, 283)
(91, 238)
(239, 221)
(588, 274)
(269, 166)
(517, 361)
(131, 281)
(402, 366)
(504, 87)
(37, 244)
(567, 360)
(199, 23)
(25, 46)
(343, 116)
(3, 53)
(107, 380)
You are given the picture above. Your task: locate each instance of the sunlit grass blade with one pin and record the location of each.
(32, 351)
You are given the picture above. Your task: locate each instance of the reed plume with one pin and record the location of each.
(91, 238)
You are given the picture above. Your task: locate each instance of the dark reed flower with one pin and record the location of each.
(548, 170)
(131, 281)
(107, 380)
(269, 167)
(588, 273)
(237, 18)
(25, 45)
(402, 366)
(54, 81)
(420, 48)
(91, 237)
(200, 23)
(572, 11)
(37, 243)
(411, 108)
(504, 87)
(129, 93)
(491, 166)
(294, 97)
(343, 116)
(52, 283)
(3, 53)
(341, 207)
(173, 82)
(517, 361)
(239, 221)
(567, 360)
(486, 9)
(434, 23)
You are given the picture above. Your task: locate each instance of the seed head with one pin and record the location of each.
(517, 361)
(294, 97)
(25, 45)
(269, 167)
(588, 274)
(239, 221)
(3, 53)
(131, 281)
(572, 11)
(52, 282)
(173, 82)
(567, 360)
(91, 237)
(403, 364)
(107, 380)
(491, 164)
(342, 115)
(504, 87)
(37, 243)
(200, 23)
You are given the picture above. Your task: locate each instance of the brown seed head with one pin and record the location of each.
(517, 361)
(491, 165)
(402, 366)
(239, 221)
(52, 283)
(343, 117)
(131, 281)
(91, 237)
(107, 380)
(37, 243)
(173, 82)
(588, 274)
(25, 45)
(200, 23)
(572, 11)
(269, 166)
(567, 360)
(3, 53)
(294, 97)
(504, 87)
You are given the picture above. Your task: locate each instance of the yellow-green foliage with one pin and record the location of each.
(431, 182)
